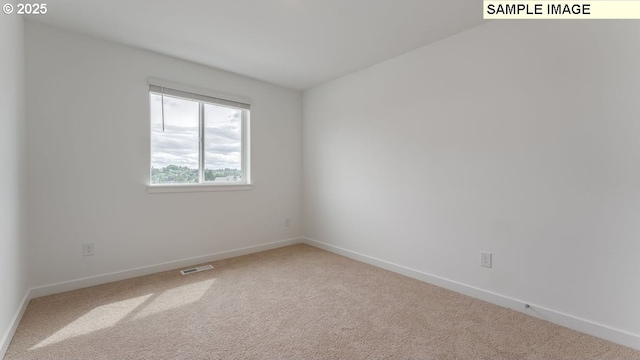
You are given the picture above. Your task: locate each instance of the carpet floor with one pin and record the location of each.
(296, 302)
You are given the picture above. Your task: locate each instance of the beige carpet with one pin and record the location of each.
(297, 302)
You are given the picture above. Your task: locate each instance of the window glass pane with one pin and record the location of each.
(174, 151)
(222, 144)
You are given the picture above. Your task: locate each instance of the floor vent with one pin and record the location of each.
(196, 269)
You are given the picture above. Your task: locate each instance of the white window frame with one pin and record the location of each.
(201, 95)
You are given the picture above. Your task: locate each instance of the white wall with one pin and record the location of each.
(89, 162)
(518, 138)
(13, 236)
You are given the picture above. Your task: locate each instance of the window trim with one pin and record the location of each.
(181, 188)
(202, 96)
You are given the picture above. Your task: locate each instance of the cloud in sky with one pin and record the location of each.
(178, 144)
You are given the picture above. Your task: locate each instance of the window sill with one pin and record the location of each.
(179, 188)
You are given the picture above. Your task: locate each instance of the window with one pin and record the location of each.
(197, 137)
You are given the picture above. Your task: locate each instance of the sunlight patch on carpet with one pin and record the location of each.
(175, 298)
(99, 318)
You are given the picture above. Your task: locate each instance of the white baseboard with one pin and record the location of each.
(147, 270)
(585, 326)
(6, 339)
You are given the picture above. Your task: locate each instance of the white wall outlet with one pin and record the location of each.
(287, 222)
(485, 259)
(88, 248)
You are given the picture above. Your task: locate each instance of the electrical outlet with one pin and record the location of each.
(485, 259)
(287, 222)
(88, 248)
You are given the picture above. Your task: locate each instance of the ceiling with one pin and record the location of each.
(293, 43)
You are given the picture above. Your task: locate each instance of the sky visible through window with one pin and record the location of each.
(178, 144)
